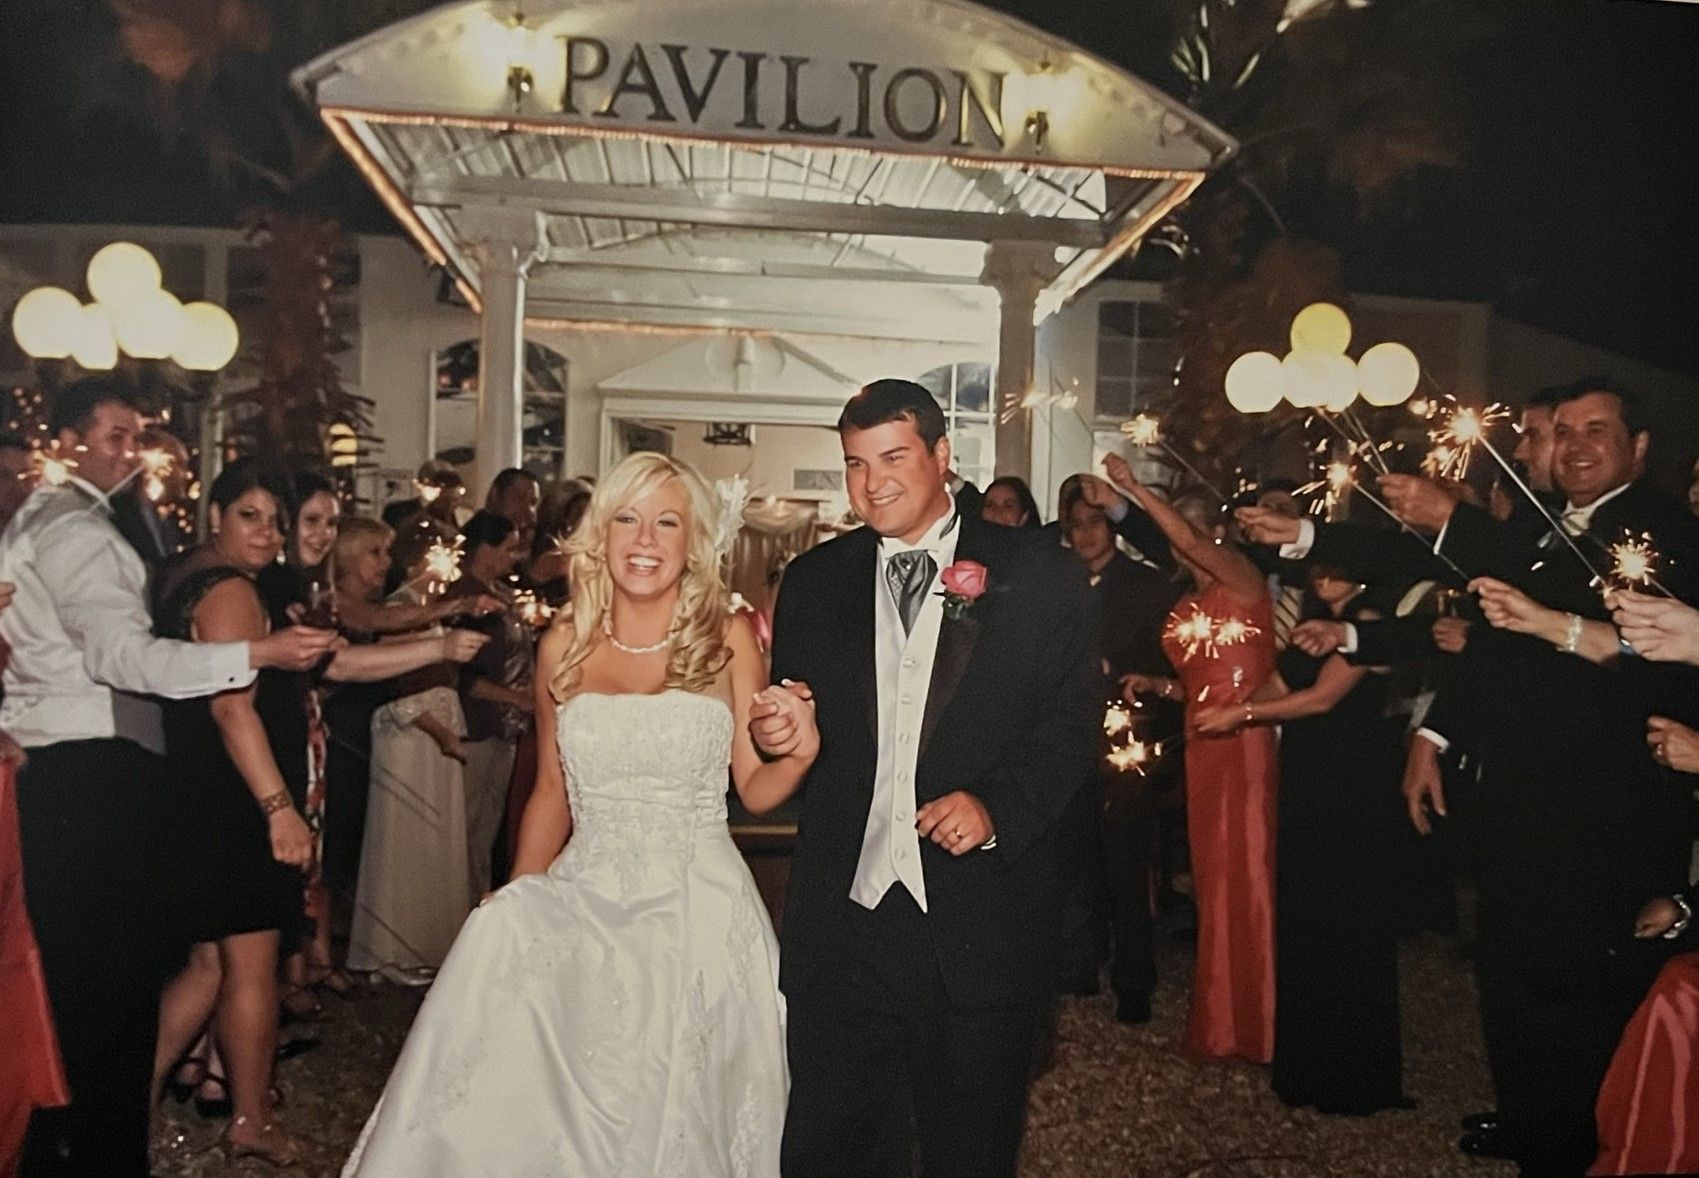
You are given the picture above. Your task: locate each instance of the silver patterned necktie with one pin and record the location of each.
(909, 574)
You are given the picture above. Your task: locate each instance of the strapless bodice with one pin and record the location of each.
(645, 769)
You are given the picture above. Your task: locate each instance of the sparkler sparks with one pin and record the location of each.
(1143, 430)
(1464, 428)
(1133, 757)
(1634, 563)
(157, 464)
(1199, 631)
(442, 562)
(53, 469)
(532, 610)
(1117, 719)
(1146, 430)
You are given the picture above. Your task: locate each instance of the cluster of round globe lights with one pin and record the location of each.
(129, 311)
(1317, 374)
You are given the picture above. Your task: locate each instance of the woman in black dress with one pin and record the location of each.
(1336, 1039)
(245, 842)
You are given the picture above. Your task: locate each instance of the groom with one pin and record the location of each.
(958, 714)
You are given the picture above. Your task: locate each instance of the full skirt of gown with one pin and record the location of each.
(619, 1015)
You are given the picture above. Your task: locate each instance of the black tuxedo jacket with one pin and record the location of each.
(1580, 826)
(1012, 716)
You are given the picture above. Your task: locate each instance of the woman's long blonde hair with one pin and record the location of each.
(698, 629)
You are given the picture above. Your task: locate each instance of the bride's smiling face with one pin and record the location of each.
(648, 542)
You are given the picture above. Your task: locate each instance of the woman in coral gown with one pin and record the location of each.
(1221, 637)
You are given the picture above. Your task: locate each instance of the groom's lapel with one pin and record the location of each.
(956, 640)
(858, 620)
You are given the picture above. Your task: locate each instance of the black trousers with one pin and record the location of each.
(93, 822)
(881, 1059)
(1109, 840)
(1550, 1033)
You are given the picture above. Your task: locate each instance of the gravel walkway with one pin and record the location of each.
(1119, 1101)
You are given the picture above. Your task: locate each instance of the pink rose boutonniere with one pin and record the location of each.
(964, 584)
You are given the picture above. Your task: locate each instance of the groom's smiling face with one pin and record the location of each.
(895, 481)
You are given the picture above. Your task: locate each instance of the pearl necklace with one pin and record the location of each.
(608, 629)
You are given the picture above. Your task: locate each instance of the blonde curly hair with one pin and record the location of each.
(698, 630)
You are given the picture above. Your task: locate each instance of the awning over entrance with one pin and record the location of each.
(894, 168)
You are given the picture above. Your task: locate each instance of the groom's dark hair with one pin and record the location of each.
(894, 400)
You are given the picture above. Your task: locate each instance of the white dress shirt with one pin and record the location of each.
(890, 847)
(83, 649)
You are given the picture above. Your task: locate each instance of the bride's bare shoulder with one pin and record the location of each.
(556, 641)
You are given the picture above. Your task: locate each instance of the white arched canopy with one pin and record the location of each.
(915, 169)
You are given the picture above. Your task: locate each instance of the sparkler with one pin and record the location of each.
(1634, 563)
(1464, 429)
(532, 610)
(1146, 430)
(442, 565)
(1339, 478)
(53, 469)
(1467, 428)
(1117, 719)
(1198, 631)
(156, 465)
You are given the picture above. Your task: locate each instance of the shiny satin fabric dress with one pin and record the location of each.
(619, 1015)
(1231, 787)
(1648, 1110)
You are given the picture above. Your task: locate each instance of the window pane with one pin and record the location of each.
(973, 387)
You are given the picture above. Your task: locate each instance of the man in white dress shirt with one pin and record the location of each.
(920, 921)
(92, 803)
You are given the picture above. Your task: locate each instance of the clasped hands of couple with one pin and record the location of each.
(782, 724)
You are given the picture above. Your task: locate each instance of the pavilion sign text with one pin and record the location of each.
(751, 91)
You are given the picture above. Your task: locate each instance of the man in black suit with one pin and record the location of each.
(919, 924)
(1574, 821)
(1116, 816)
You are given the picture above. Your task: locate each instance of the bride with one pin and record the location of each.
(615, 1009)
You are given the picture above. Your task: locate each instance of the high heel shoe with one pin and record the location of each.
(213, 1108)
(272, 1145)
(180, 1089)
(299, 1005)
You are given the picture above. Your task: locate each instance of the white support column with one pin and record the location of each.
(506, 246)
(1017, 271)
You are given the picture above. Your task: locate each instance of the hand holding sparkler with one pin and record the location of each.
(1508, 608)
(1658, 628)
(1264, 525)
(1146, 430)
(1422, 503)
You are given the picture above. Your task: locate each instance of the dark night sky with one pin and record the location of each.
(1575, 213)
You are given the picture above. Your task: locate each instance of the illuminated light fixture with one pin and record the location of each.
(1255, 382)
(121, 273)
(1321, 327)
(343, 444)
(726, 433)
(520, 80)
(93, 344)
(209, 338)
(1387, 374)
(148, 327)
(44, 322)
(1315, 380)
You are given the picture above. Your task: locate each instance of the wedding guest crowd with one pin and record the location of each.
(314, 725)
(191, 730)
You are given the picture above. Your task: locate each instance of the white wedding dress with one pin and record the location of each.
(620, 1014)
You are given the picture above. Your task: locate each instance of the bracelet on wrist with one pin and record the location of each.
(1572, 634)
(272, 803)
(1680, 926)
(1250, 715)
